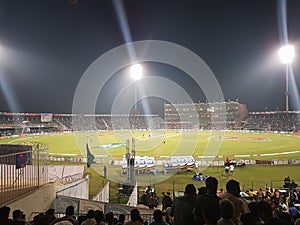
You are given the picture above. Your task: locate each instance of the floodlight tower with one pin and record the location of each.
(136, 72)
(286, 55)
(132, 162)
(128, 160)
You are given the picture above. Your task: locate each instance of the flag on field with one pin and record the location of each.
(90, 156)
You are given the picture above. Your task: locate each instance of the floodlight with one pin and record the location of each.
(286, 54)
(136, 71)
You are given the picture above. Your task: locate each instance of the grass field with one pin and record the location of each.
(182, 143)
(176, 143)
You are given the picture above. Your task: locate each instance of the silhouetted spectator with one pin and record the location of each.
(68, 217)
(249, 219)
(166, 201)
(109, 218)
(254, 214)
(182, 208)
(158, 218)
(4, 215)
(90, 220)
(121, 219)
(50, 215)
(135, 218)
(99, 217)
(285, 218)
(227, 210)
(211, 184)
(41, 219)
(202, 191)
(18, 217)
(211, 212)
(266, 213)
(233, 194)
(287, 182)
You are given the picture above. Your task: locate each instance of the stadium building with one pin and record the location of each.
(200, 115)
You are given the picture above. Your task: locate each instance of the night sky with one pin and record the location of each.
(46, 46)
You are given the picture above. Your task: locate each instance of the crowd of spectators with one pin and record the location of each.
(273, 122)
(207, 207)
(12, 124)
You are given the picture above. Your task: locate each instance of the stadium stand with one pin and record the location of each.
(273, 121)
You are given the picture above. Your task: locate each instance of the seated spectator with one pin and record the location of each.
(68, 217)
(41, 219)
(285, 218)
(182, 208)
(167, 216)
(99, 217)
(90, 220)
(266, 213)
(293, 185)
(18, 218)
(121, 219)
(249, 219)
(233, 194)
(202, 191)
(158, 218)
(50, 215)
(211, 212)
(109, 218)
(287, 182)
(166, 201)
(283, 206)
(293, 211)
(211, 184)
(227, 210)
(4, 216)
(135, 218)
(254, 214)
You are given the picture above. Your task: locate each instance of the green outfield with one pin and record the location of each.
(160, 143)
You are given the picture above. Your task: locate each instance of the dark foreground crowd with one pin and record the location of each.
(203, 208)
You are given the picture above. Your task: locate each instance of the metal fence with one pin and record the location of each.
(177, 187)
(22, 173)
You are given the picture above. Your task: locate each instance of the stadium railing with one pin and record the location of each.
(22, 173)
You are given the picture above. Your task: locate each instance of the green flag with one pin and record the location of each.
(90, 156)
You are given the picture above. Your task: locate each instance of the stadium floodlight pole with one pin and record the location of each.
(286, 55)
(136, 72)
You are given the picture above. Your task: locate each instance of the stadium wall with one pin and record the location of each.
(42, 199)
(76, 189)
(103, 195)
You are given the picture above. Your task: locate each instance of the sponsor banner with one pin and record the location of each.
(86, 205)
(62, 202)
(46, 117)
(117, 209)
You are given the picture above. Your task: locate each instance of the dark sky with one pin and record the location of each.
(46, 46)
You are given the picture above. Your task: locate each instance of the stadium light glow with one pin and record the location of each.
(286, 54)
(136, 71)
